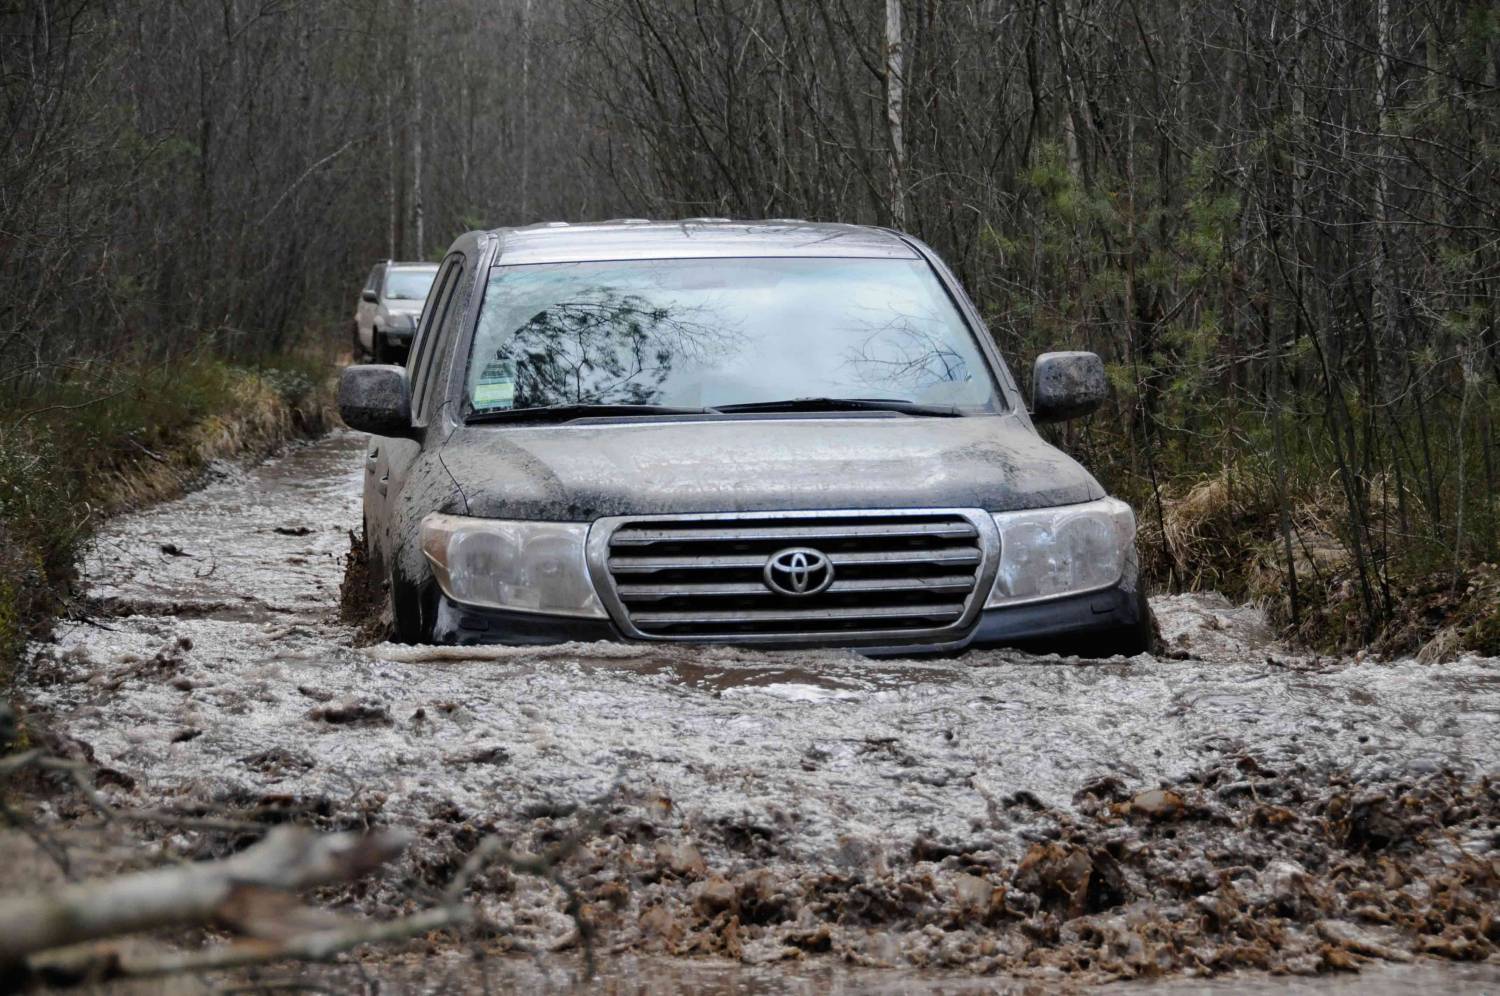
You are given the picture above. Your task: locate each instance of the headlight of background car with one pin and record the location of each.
(516, 565)
(1062, 551)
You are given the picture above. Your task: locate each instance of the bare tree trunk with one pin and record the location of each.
(526, 135)
(1070, 122)
(392, 171)
(895, 95)
(1384, 278)
(415, 125)
(466, 109)
(1299, 173)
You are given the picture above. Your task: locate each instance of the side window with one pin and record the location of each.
(446, 333)
(426, 358)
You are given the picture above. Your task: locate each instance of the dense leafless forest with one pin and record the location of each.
(1278, 220)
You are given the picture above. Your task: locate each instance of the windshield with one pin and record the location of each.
(409, 285)
(696, 333)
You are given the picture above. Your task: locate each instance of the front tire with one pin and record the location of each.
(1139, 637)
(1142, 638)
(413, 609)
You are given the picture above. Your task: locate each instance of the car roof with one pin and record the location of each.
(393, 265)
(695, 238)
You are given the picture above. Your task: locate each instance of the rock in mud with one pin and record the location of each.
(712, 896)
(681, 859)
(491, 754)
(352, 711)
(1158, 804)
(658, 924)
(1058, 875)
(1358, 940)
(1288, 888)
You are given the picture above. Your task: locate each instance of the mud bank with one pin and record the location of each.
(1228, 805)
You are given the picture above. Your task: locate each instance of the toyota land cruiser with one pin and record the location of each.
(770, 433)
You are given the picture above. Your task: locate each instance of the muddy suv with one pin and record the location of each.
(769, 433)
(389, 305)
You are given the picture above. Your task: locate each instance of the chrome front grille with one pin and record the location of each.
(900, 576)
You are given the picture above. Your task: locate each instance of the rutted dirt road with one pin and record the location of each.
(1001, 813)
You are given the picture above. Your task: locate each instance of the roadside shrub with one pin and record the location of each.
(109, 439)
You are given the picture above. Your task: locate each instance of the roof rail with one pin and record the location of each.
(704, 220)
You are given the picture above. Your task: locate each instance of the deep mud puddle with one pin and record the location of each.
(1039, 817)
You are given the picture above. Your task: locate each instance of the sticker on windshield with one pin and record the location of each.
(496, 387)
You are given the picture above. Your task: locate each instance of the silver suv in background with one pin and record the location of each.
(389, 306)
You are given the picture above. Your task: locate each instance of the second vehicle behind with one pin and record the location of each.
(389, 306)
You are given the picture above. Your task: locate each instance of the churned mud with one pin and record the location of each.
(1228, 805)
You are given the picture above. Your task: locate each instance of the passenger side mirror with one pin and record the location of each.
(376, 398)
(1067, 385)
(369, 295)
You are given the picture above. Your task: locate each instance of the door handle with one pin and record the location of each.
(371, 459)
(384, 485)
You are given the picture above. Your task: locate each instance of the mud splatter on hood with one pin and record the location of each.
(582, 471)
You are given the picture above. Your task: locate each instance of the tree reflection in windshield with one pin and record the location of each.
(914, 358)
(693, 333)
(602, 347)
(602, 350)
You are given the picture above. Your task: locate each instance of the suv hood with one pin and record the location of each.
(581, 471)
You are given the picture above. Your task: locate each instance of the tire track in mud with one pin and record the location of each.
(998, 812)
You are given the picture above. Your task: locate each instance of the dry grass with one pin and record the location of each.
(1209, 532)
(256, 418)
(93, 447)
(1223, 533)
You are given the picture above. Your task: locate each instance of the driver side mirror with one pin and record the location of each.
(1067, 385)
(369, 295)
(376, 398)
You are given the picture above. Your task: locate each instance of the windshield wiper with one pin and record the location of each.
(563, 413)
(844, 405)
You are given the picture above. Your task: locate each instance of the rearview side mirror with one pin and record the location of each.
(1067, 385)
(368, 295)
(376, 398)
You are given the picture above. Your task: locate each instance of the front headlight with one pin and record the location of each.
(509, 564)
(1062, 551)
(397, 321)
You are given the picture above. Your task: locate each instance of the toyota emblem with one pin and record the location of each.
(798, 571)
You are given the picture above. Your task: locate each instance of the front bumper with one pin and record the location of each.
(1099, 624)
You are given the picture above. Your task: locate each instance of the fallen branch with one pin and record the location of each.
(288, 859)
(74, 966)
(68, 936)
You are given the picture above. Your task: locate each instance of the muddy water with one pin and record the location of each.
(893, 803)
